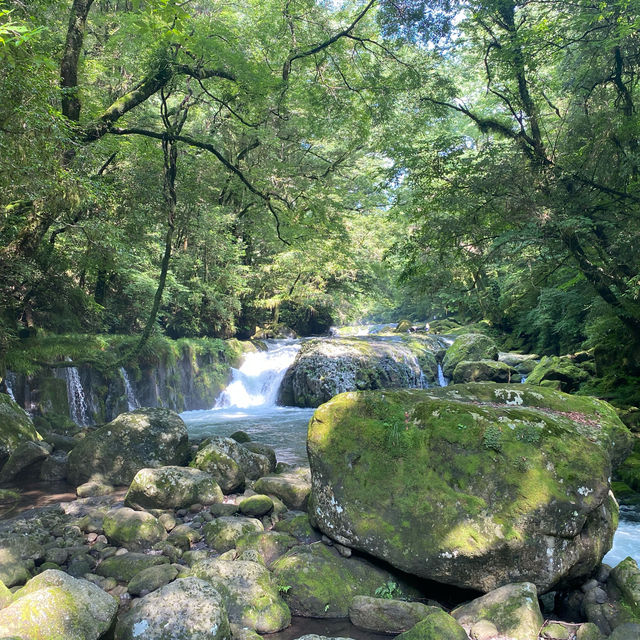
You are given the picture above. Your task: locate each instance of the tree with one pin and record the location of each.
(549, 166)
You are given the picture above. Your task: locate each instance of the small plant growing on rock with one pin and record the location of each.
(389, 590)
(492, 438)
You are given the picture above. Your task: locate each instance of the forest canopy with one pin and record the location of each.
(203, 169)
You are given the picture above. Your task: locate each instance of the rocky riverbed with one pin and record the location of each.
(479, 510)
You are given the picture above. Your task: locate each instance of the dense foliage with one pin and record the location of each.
(209, 168)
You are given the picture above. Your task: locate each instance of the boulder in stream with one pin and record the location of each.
(117, 451)
(475, 485)
(324, 368)
(15, 427)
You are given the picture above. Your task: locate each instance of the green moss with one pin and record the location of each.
(406, 452)
(436, 626)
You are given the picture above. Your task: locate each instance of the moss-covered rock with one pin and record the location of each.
(560, 370)
(292, 487)
(626, 576)
(629, 471)
(387, 615)
(24, 455)
(482, 371)
(220, 465)
(250, 594)
(221, 534)
(469, 347)
(133, 441)
(473, 485)
(126, 566)
(324, 368)
(186, 609)
(436, 626)
(320, 583)
(256, 506)
(263, 450)
(15, 427)
(254, 465)
(270, 545)
(133, 529)
(55, 606)
(152, 578)
(14, 568)
(172, 488)
(513, 609)
(299, 527)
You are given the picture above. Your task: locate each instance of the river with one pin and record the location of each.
(249, 404)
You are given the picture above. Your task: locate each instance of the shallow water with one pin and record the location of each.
(330, 627)
(626, 541)
(283, 428)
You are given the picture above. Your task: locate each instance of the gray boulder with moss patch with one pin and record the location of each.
(133, 529)
(322, 583)
(53, 606)
(126, 566)
(482, 371)
(563, 371)
(437, 626)
(15, 427)
(187, 609)
(221, 533)
(250, 593)
(292, 487)
(324, 368)
(513, 609)
(469, 347)
(172, 488)
(387, 615)
(475, 485)
(115, 452)
(220, 465)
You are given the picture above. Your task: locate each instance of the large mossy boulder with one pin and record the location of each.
(475, 485)
(187, 609)
(133, 441)
(563, 371)
(250, 593)
(324, 368)
(172, 488)
(53, 606)
(221, 533)
(15, 427)
(322, 583)
(468, 347)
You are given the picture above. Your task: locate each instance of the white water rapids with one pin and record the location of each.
(249, 404)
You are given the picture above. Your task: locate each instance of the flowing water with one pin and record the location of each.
(626, 541)
(132, 402)
(249, 404)
(78, 407)
(9, 383)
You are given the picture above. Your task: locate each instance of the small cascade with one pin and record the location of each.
(78, 407)
(132, 401)
(9, 382)
(442, 381)
(257, 381)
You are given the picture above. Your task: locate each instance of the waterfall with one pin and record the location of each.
(442, 381)
(9, 382)
(78, 407)
(132, 401)
(256, 382)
